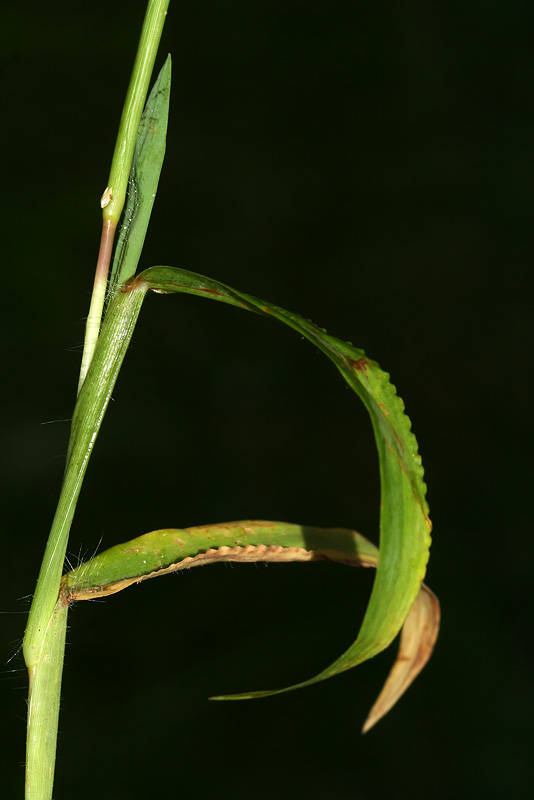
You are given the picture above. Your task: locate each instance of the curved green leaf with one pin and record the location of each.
(163, 551)
(404, 523)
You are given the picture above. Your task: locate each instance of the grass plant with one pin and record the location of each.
(399, 601)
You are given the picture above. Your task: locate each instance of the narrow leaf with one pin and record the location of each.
(144, 178)
(404, 523)
(418, 637)
(169, 550)
(164, 551)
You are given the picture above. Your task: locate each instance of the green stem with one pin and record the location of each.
(88, 414)
(43, 708)
(44, 637)
(113, 199)
(114, 196)
(92, 327)
(102, 358)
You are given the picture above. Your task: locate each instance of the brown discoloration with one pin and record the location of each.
(237, 551)
(417, 641)
(107, 197)
(383, 409)
(401, 443)
(131, 284)
(398, 459)
(250, 553)
(360, 365)
(247, 554)
(210, 291)
(187, 288)
(63, 597)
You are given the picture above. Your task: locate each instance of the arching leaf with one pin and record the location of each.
(404, 522)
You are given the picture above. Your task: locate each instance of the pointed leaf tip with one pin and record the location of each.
(417, 641)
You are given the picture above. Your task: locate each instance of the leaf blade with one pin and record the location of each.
(149, 153)
(161, 552)
(167, 550)
(404, 522)
(418, 637)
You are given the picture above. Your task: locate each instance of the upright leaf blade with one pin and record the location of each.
(143, 180)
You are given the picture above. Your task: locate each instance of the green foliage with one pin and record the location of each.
(144, 178)
(404, 522)
(397, 597)
(164, 551)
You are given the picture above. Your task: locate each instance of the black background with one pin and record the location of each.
(371, 167)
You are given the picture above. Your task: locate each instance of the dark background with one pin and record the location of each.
(371, 167)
